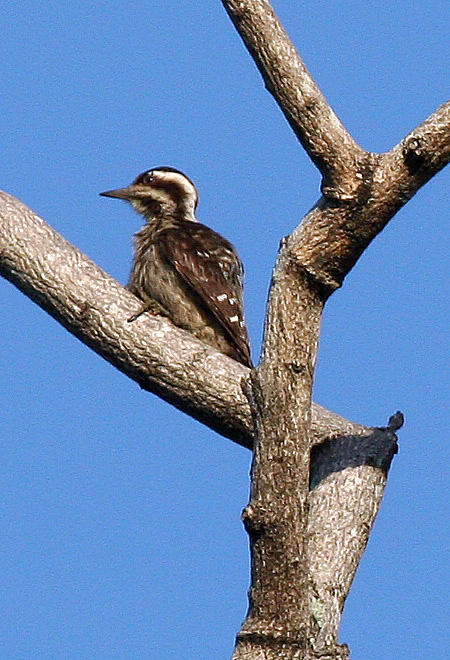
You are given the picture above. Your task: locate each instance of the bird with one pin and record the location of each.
(183, 269)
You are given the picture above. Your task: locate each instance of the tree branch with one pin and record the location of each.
(330, 146)
(333, 235)
(303, 553)
(177, 367)
(308, 520)
(362, 190)
(348, 478)
(160, 357)
(412, 163)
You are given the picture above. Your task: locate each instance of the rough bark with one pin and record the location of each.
(160, 357)
(304, 552)
(317, 479)
(177, 367)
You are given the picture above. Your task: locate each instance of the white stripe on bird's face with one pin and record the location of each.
(170, 185)
(162, 191)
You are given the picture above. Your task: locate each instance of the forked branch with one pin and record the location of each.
(177, 367)
(298, 591)
(308, 523)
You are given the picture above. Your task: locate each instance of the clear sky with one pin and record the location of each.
(121, 537)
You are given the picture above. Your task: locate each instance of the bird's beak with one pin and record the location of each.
(120, 193)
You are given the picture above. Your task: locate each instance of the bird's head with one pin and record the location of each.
(161, 191)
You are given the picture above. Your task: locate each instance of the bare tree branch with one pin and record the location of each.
(177, 367)
(308, 520)
(348, 478)
(362, 190)
(313, 121)
(160, 357)
(334, 235)
(277, 515)
(303, 553)
(412, 163)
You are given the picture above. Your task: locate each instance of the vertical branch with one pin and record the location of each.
(277, 515)
(308, 523)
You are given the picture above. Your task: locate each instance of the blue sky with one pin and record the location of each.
(120, 522)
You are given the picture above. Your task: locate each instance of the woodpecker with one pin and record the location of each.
(182, 269)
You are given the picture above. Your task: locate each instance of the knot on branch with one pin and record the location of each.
(415, 154)
(258, 520)
(333, 652)
(85, 313)
(253, 519)
(313, 270)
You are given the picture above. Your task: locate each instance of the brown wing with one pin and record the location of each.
(210, 265)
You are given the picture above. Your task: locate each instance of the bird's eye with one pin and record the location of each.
(149, 177)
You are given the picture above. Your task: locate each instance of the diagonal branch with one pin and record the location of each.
(308, 526)
(374, 186)
(160, 357)
(325, 139)
(177, 367)
(411, 163)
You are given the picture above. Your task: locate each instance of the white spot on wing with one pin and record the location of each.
(223, 296)
(234, 319)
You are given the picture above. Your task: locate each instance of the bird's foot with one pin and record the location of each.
(152, 306)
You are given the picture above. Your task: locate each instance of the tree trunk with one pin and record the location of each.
(317, 479)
